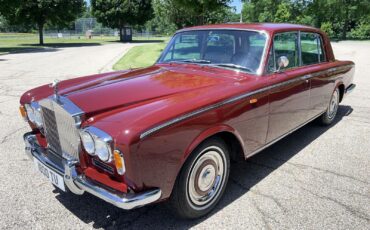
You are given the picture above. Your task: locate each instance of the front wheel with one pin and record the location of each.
(202, 180)
(328, 117)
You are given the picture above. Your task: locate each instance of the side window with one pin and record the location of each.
(285, 44)
(311, 47)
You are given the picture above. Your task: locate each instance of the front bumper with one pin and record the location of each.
(78, 184)
(350, 88)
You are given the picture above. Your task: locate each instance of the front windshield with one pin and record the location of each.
(236, 49)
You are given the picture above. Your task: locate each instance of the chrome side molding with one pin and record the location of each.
(333, 71)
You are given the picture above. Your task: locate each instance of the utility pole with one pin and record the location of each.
(241, 15)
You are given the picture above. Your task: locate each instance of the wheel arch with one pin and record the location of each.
(231, 137)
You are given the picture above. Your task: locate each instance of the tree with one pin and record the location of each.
(337, 17)
(167, 17)
(170, 15)
(121, 13)
(283, 12)
(260, 10)
(201, 11)
(40, 12)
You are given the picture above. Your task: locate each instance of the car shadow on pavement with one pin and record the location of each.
(141, 41)
(244, 175)
(76, 44)
(48, 47)
(19, 50)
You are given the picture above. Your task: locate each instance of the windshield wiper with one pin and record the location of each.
(197, 61)
(234, 66)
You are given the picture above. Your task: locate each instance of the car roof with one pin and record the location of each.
(268, 27)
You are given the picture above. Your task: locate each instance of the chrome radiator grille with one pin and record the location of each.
(60, 130)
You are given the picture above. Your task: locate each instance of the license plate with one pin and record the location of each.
(53, 177)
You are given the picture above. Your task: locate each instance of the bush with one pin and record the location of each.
(327, 27)
(362, 31)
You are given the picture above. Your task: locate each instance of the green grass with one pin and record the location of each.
(140, 56)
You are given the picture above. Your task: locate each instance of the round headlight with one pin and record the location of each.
(30, 113)
(88, 142)
(102, 150)
(38, 118)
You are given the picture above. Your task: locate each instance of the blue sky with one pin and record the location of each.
(237, 4)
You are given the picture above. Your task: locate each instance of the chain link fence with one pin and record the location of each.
(84, 28)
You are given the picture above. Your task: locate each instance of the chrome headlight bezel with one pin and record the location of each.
(102, 143)
(103, 150)
(39, 122)
(30, 113)
(34, 115)
(88, 142)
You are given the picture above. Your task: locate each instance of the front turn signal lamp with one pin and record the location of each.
(119, 162)
(23, 112)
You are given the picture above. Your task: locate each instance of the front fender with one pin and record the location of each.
(209, 133)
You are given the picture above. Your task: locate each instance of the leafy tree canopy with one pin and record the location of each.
(170, 15)
(201, 10)
(336, 17)
(40, 12)
(120, 13)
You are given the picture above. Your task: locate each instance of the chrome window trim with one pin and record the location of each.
(259, 71)
(150, 131)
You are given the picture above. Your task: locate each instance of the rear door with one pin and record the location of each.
(312, 61)
(290, 93)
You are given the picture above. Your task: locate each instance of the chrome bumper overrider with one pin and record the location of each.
(350, 88)
(78, 184)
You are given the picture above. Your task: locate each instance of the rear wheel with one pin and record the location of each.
(202, 181)
(328, 117)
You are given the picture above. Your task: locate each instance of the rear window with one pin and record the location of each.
(311, 47)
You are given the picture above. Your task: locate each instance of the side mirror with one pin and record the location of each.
(282, 62)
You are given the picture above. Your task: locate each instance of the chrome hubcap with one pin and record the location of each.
(206, 177)
(333, 106)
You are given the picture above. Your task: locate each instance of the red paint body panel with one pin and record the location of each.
(126, 104)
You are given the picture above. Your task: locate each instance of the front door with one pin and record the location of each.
(290, 91)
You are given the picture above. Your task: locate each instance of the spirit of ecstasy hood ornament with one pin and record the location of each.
(55, 86)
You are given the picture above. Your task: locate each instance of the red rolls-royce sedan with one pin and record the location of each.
(169, 131)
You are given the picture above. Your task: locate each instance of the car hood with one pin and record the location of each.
(139, 87)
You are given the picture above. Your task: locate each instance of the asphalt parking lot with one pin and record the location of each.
(316, 178)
